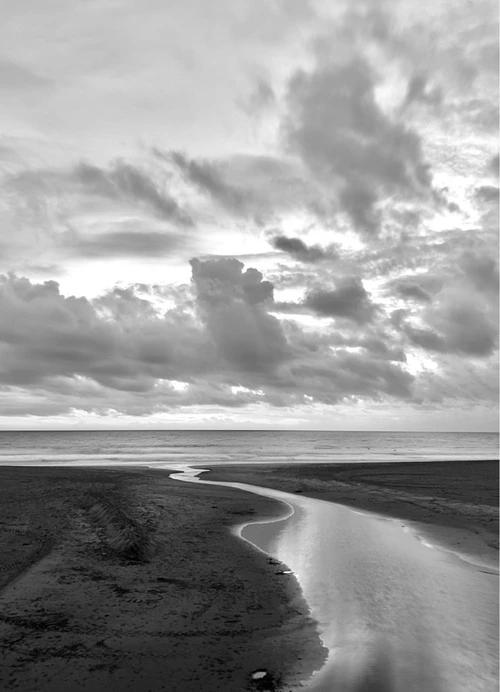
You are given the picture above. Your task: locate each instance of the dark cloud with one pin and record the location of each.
(481, 270)
(206, 176)
(419, 90)
(412, 290)
(336, 126)
(456, 328)
(493, 165)
(122, 352)
(348, 299)
(123, 180)
(121, 183)
(257, 187)
(359, 375)
(118, 341)
(487, 193)
(299, 250)
(427, 339)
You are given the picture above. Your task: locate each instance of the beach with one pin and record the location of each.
(125, 580)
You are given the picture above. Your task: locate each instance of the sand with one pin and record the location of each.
(452, 504)
(127, 580)
(121, 580)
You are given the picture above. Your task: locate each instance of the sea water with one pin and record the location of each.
(178, 448)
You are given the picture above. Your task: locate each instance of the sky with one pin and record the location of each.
(249, 214)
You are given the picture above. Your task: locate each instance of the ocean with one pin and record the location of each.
(198, 447)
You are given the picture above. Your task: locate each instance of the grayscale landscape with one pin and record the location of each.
(249, 345)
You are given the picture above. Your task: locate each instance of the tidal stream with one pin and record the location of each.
(396, 614)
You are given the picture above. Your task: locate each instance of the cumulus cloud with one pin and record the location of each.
(44, 334)
(299, 250)
(231, 304)
(349, 299)
(224, 347)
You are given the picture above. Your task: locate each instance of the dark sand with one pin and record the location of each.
(127, 580)
(453, 502)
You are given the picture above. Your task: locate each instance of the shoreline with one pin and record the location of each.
(448, 505)
(142, 585)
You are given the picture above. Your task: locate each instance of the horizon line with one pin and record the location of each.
(288, 430)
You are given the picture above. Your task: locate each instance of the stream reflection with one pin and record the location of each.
(395, 614)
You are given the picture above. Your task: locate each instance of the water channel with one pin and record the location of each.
(396, 614)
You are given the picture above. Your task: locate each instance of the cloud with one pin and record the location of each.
(121, 243)
(410, 288)
(207, 177)
(338, 118)
(299, 250)
(257, 187)
(493, 165)
(126, 181)
(44, 334)
(14, 77)
(487, 193)
(359, 375)
(336, 126)
(482, 271)
(261, 98)
(52, 215)
(462, 328)
(121, 351)
(420, 91)
(349, 299)
(231, 304)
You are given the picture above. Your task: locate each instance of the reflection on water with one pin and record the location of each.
(395, 615)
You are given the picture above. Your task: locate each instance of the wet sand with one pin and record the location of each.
(126, 580)
(454, 504)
